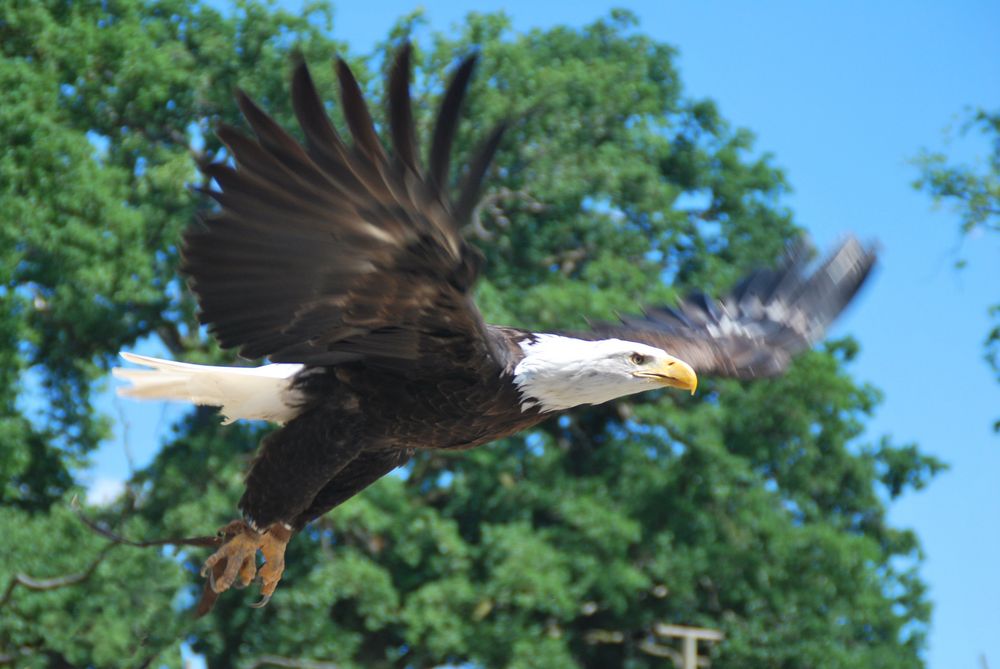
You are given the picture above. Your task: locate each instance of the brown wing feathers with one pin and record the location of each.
(359, 119)
(324, 144)
(444, 128)
(472, 184)
(333, 251)
(401, 125)
(766, 319)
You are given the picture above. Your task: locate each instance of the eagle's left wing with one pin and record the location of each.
(768, 317)
(334, 251)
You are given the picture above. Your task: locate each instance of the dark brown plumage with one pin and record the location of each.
(346, 261)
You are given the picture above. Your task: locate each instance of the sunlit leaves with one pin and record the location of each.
(972, 190)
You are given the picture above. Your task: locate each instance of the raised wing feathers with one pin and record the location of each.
(447, 123)
(401, 125)
(766, 319)
(330, 252)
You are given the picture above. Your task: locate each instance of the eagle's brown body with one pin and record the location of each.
(362, 422)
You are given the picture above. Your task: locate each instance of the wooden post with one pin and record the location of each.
(690, 653)
(689, 639)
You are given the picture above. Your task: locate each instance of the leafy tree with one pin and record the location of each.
(757, 509)
(974, 192)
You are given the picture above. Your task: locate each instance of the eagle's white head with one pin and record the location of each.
(562, 372)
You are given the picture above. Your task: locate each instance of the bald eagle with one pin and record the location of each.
(344, 264)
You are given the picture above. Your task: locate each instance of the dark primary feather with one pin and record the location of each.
(401, 124)
(472, 185)
(331, 251)
(447, 123)
(766, 319)
(356, 113)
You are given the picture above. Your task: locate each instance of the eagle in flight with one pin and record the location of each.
(344, 264)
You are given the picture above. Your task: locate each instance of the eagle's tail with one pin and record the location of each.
(253, 393)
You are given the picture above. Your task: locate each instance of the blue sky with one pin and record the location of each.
(844, 95)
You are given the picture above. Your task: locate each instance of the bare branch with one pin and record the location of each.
(567, 260)
(41, 585)
(117, 539)
(171, 337)
(491, 205)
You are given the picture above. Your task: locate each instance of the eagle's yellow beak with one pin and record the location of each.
(672, 372)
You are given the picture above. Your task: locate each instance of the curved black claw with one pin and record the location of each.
(262, 603)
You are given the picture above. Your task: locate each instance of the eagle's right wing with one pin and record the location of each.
(769, 317)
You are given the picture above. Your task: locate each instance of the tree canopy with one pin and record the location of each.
(973, 190)
(756, 509)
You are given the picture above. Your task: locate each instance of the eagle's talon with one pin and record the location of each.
(248, 572)
(262, 603)
(234, 564)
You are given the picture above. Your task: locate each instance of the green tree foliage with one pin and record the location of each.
(756, 509)
(974, 192)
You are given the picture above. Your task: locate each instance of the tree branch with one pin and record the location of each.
(171, 337)
(117, 539)
(491, 205)
(567, 260)
(41, 585)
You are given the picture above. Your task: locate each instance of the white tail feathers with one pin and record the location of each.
(253, 393)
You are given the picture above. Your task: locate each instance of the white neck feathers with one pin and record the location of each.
(559, 372)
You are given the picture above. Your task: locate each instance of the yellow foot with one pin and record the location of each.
(236, 559)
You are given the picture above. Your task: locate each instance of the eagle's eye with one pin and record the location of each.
(638, 359)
